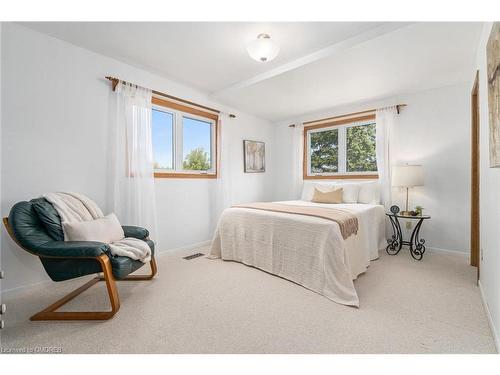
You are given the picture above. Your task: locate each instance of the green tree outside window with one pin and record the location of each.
(197, 160)
(325, 151)
(361, 152)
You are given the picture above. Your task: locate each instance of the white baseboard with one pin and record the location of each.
(490, 319)
(449, 252)
(183, 248)
(19, 289)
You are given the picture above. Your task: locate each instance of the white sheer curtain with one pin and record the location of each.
(385, 119)
(133, 193)
(297, 157)
(222, 188)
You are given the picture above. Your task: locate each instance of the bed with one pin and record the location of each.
(307, 250)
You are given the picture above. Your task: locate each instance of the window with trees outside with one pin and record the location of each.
(341, 149)
(184, 141)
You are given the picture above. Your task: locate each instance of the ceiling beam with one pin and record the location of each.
(316, 56)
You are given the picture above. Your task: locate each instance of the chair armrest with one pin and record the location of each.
(136, 232)
(72, 249)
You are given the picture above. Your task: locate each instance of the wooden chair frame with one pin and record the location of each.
(50, 313)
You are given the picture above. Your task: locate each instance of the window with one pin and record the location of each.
(360, 148)
(163, 139)
(197, 144)
(324, 151)
(184, 141)
(341, 149)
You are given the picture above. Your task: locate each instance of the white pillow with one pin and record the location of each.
(106, 229)
(369, 193)
(308, 189)
(351, 192)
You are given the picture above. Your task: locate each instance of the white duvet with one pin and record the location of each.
(307, 250)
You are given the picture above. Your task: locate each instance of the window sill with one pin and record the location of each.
(341, 177)
(185, 175)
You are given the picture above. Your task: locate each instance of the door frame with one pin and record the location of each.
(475, 251)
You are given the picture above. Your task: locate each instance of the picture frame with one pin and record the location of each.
(493, 74)
(254, 156)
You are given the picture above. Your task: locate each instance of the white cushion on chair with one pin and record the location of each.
(106, 229)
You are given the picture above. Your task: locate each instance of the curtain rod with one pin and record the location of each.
(398, 110)
(116, 81)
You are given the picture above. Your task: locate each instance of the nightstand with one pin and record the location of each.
(396, 242)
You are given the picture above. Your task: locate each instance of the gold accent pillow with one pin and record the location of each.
(333, 196)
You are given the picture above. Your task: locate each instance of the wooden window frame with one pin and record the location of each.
(196, 113)
(345, 120)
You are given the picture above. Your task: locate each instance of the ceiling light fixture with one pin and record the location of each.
(263, 49)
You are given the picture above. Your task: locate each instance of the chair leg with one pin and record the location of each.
(154, 269)
(152, 264)
(49, 313)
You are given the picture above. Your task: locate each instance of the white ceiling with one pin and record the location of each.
(355, 62)
(410, 59)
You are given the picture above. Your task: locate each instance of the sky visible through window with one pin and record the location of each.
(162, 129)
(196, 134)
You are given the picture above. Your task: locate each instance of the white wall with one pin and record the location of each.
(185, 206)
(433, 130)
(489, 198)
(54, 138)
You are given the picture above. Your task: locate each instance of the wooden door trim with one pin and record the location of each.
(475, 218)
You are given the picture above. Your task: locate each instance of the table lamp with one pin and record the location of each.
(407, 176)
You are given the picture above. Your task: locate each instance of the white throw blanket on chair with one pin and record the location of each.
(77, 207)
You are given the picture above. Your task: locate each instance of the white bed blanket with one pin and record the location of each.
(307, 250)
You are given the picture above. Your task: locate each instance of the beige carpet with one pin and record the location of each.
(211, 306)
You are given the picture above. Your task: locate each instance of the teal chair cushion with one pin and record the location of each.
(123, 266)
(37, 227)
(136, 232)
(75, 249)
(27, 227)
(49, 217)
(69, 268)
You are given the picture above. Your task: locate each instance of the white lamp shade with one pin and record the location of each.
(263, 49)
(408, 175)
